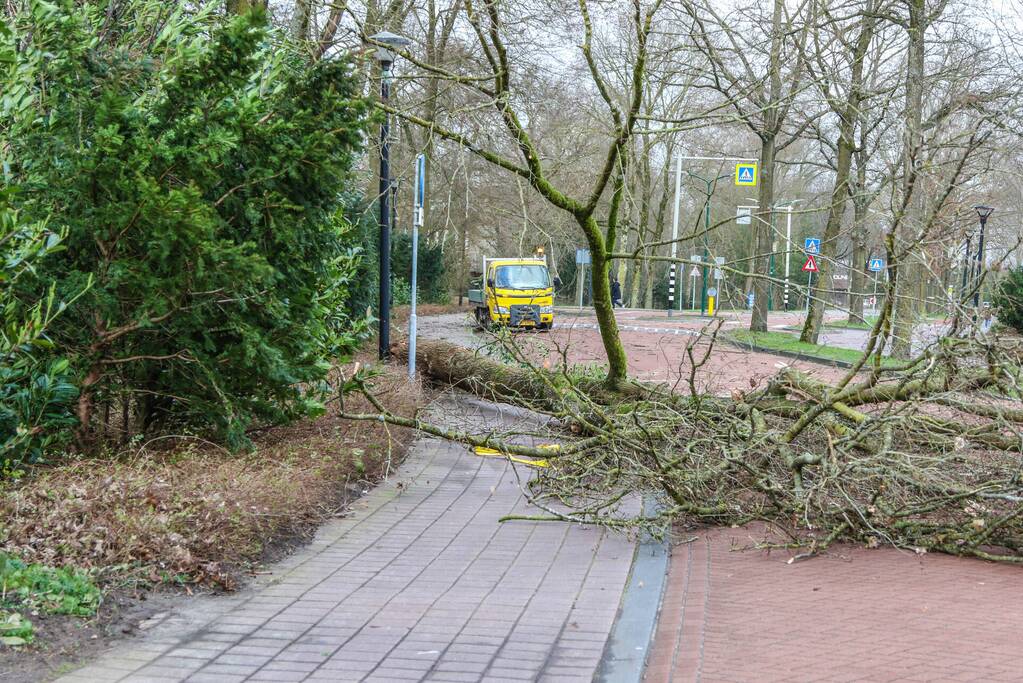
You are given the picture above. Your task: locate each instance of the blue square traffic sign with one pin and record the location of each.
(876, 265)
(746, 174)
(812, 245)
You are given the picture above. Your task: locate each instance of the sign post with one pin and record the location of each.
(876, 265)
(582, 259)
(810, 267)
(694, 274)
(712, 295)
(811, 245)
(671, 286)
(674, 237)
(719, 278)
(417, 222)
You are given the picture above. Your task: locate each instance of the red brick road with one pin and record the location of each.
(853, 615)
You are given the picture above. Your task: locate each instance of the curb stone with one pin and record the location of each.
(632, 635)
(786, 354)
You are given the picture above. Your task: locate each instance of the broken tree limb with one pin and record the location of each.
(924, 456)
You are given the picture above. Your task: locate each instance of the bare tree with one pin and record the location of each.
(493, 85)
(761, 89)
(845, 100)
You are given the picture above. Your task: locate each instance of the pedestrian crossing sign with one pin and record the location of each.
(876, 265)
(746, 174)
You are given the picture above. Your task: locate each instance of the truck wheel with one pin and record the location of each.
(544, 327)
(483, 318)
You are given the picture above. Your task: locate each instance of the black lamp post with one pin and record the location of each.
(385, 56)
(983, 212)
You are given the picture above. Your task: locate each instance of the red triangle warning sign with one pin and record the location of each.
(811, 265)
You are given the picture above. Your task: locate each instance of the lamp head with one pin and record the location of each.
(984, 211)
(385, 40)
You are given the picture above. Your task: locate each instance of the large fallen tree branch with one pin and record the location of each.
(926, 456)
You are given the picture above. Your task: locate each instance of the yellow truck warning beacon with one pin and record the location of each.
(515, 292)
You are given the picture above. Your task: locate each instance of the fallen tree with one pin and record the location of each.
(927, 455)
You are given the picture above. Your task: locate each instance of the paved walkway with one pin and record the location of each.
(853, 615)
(421, 582)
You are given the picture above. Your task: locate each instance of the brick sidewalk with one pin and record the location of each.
(854, 615)
(420, 583)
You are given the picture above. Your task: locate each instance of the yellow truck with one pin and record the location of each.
(515, 292)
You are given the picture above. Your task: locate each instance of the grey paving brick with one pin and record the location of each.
(304, 667)
(461, 665)
(216, 678)
(244, 660)
(384, 673)
(452, 677)
(517, 673)
(164, 671)
(279, 676)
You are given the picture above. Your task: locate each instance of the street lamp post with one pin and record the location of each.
(788, 247)
(788, 254)
(983, 212)
(384, 41)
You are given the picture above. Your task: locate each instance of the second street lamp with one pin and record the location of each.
(983, 212)
(384, 43)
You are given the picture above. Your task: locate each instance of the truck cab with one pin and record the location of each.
(514, 292)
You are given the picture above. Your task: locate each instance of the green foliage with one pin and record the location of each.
(199, 167)
(432, 271)
(401, 291)
(660, 298)
(363, 290)
(50, 590)
(36, 394)
(567, 271)
(1008, 300)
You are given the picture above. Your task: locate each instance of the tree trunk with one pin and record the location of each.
(649, 272)
(857, 273)
(764, 237)
(601, 268)
(848, 113)
(829, 244)
(641, 230)
(908, 270)
(300, 21)
(765, 197)
(536, 387)
(243, 6)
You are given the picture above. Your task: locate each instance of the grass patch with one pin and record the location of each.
(852, 324)
(40, 589)
(15, 630)
(48, 590)
(785, 342)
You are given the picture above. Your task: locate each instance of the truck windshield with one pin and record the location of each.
(522, 277)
